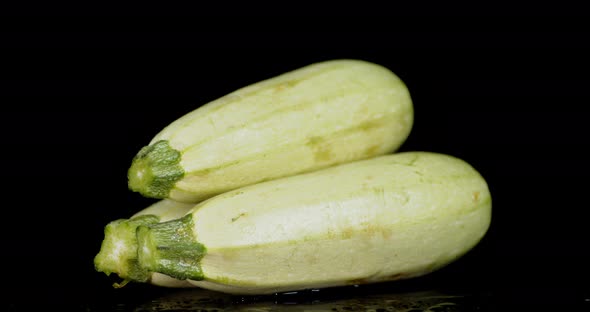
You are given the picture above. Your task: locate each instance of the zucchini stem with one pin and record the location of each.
(118, 252)
(171, 248)
(155, 170)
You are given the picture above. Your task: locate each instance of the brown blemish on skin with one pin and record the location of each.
(286, 85)
(386, 233)
(373, 230)
(234, 219)
(475, 196)
(347, 233)
(366, 229)
(370, 229)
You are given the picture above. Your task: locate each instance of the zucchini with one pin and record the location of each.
(387, 218)
(318, 116)
(118, 252)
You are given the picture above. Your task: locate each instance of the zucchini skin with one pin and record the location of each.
(318, 116)
(391, 217)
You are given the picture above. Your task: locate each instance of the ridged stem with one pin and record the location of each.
(171, 248)
(118, 252)
(155, 170)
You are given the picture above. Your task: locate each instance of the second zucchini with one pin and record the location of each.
(390, 217)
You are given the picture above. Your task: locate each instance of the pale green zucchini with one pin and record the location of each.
(318, 116)
(387, 218)
(118, 252)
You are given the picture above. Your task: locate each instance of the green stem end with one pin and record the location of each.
(155, 170)
(171, 248)
(118, 252)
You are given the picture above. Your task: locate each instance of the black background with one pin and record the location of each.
(78, 102)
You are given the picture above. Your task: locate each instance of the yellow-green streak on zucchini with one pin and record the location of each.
(318, 116)
(390, 217)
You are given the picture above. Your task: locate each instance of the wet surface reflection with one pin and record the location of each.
(332, 300)
(210, 302)
(377, 298)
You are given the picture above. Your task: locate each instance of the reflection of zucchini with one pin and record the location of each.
(390, 217)
(118, 253)
(311, 118)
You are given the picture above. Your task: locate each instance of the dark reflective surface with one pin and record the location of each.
(206, 301)
(374, 298)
